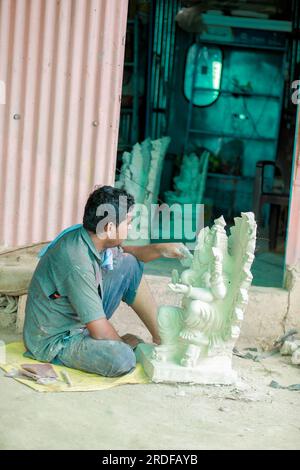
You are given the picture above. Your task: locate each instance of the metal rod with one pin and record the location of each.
(135, 115)
(149, 71)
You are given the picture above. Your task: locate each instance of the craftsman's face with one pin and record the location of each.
(117, 234)
(123, 228)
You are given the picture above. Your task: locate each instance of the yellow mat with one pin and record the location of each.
(81, 381)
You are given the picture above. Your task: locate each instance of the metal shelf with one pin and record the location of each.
(238, 93)
(264, 24)
(127, 110)
(229, 177)
(267, 47)
(232, 136)
(190, 130)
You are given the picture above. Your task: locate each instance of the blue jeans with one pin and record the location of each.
(106, 357)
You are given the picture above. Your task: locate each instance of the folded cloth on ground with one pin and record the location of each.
(40, 370)
(81, 381)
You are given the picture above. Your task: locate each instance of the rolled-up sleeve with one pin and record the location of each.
(82, 291)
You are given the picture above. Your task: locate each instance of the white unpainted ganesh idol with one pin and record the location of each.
(197, 338)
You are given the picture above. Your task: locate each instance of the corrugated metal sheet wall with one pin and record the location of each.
(62, 63)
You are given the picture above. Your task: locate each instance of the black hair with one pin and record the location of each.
(104, 196)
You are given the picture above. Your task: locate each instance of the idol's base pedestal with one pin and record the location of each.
(216, 370)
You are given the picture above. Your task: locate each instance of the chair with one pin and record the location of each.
(277, 199)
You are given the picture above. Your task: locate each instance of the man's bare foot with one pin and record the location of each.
(131, 340)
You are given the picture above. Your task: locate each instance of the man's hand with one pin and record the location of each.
(159, 250)
(171, 250)
(156, 340)
(131, 340)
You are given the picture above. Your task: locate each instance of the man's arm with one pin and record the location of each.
(102, 329)
(81, 289)
(154, 251)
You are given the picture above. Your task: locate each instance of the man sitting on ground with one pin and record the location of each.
(79, 282)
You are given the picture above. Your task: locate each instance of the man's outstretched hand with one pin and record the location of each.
(171, 250)
(158, 250)
(156, 340)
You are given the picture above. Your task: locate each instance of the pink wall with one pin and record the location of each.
(62, 63)
(293, 239)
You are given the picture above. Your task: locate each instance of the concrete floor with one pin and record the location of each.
(249, 416)
(156, 416)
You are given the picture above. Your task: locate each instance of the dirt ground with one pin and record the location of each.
(251, 415)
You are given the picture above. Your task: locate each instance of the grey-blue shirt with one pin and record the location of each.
(64, 294)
